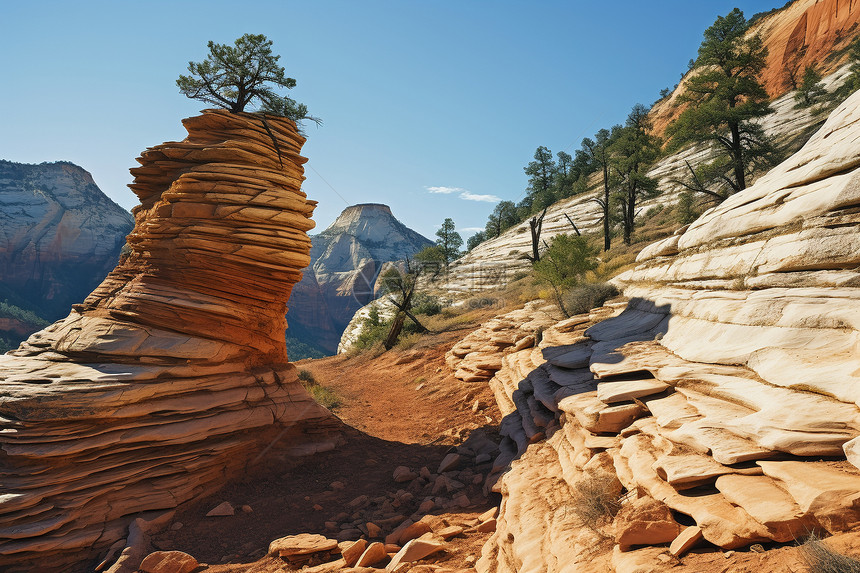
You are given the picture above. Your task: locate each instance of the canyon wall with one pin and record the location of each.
(172, 375)
(59, 237)
(718, 401)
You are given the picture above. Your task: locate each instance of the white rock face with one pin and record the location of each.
(494, 262)
(346, 260)
(731, 371)
(59, 235)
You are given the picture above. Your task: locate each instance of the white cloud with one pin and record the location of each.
(471, 229)
(465, 194)
(446, 190)
(469, 196)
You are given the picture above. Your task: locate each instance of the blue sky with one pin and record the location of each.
(416, 96)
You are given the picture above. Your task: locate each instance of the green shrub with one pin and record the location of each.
(307, 377)
(426, 304)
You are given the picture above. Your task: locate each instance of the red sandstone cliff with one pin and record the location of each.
(807, 32)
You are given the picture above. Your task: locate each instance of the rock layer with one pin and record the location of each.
(725, 387)
(173, 372)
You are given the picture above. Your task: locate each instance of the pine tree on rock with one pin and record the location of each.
(242, 75)
(725, 98)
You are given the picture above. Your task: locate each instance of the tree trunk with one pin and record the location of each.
(394, 333)
(738, 158)
(607, 239)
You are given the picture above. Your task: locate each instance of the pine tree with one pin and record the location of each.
(449, 241)
(633, 152)
(235, 77)
(810, 89)
(726, 98)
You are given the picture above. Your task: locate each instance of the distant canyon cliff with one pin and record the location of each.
(346, 260)
(59, 236)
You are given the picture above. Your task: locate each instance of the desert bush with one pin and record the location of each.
(597, 499)
(307, 377)
(583, 298)
(822, 559)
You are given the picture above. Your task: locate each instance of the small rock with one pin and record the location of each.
(449, 462)
(482, 459)
(728, 554)
(176, 526)
(360, 501)
(415, 550)
(426, 506)
(373, 530)
(301, 544)
(757, 548)
(349, 534)
(440, 484)
(425, 473)
(489, 514)
(247, 509)
(331, 525)
(477, 406)
(374, 553)
(470, 560)
(488, 526)
(317, 507)
(413, 531)
(403, 474)
(337, 485)
(447, 533)
(353, 552)
(645, 521)
(222, 509)
(463, 500)
(168, 562)
(686, 540)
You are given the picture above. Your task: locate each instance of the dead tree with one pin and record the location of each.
(536, 225)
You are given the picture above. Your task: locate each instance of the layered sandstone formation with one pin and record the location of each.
(59, 237)
(172, 375)
(346, 260)
(719, 400)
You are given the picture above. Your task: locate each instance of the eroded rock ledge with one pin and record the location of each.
(173, 374)
(722, 394)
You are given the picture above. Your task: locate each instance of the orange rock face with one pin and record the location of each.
(172, 375)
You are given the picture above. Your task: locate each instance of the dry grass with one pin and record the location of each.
(321, 394)
(821, 559)
(597, 500)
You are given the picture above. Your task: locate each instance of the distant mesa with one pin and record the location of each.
(346, 260)
(172, 375)
(59, 236)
